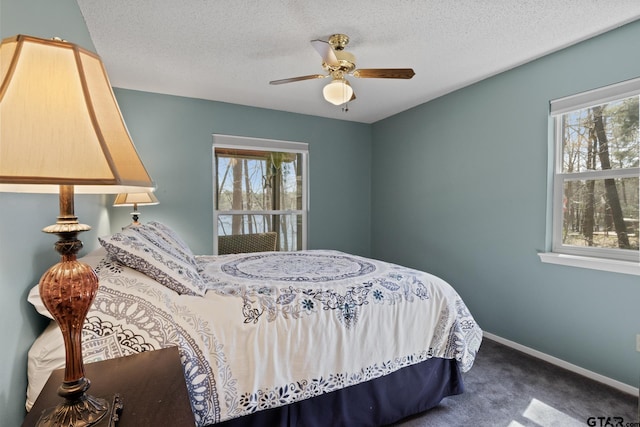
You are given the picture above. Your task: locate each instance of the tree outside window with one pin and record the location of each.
(261, 189)
(596, 195)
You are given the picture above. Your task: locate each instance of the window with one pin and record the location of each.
(260, 186)
(596, 173)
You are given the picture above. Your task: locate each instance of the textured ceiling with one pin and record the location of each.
(229, 50)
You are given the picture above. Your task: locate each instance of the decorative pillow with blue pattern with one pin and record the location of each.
(157, 251)
(171, 237)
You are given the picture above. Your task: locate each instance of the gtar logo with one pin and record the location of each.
(605, 422)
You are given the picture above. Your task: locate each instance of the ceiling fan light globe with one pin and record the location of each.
(337, 92)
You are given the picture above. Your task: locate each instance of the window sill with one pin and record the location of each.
(616, 266)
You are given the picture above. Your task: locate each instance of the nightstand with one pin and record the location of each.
(151, 385)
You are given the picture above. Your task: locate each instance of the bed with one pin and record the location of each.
(313, 338)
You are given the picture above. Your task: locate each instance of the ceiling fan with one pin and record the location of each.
(339, 63)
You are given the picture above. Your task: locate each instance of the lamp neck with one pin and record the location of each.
(67, 220)
(67, 213)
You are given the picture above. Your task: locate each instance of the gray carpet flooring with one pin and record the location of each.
(508, 388)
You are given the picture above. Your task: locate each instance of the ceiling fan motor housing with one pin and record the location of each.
(346, 63)
(338, 41)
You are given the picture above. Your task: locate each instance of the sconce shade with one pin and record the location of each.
(135, 199)
(337, 91)
(60, 123)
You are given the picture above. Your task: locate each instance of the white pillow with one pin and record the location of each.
(45, 356)
(36, 301)
(151, 252)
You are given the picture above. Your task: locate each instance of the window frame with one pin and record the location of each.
(262, 144)
(607, 259)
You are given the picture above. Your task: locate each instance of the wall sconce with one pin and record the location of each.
(135, 200)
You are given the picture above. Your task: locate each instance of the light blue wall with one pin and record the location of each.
(174, 138)
(466, 200)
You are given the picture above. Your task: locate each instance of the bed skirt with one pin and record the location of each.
(379, 402)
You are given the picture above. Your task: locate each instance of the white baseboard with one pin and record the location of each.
(563, 364)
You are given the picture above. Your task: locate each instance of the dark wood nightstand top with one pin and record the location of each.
(151, 385)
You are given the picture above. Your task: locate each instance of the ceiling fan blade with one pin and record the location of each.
(297, 79)
(384, 73)
(326, 52)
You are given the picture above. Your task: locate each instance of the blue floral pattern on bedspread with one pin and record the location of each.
(297, 267)
(292, 286)
(293, 301)
(148, 327)
(276, 328)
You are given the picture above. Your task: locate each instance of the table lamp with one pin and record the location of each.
(61, 131)
(135, 200)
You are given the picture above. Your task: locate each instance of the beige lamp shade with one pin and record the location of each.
(135, 199)
(60, 123)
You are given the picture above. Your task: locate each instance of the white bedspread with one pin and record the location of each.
(273, 328)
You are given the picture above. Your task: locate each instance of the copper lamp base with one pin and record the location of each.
(67, 289)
